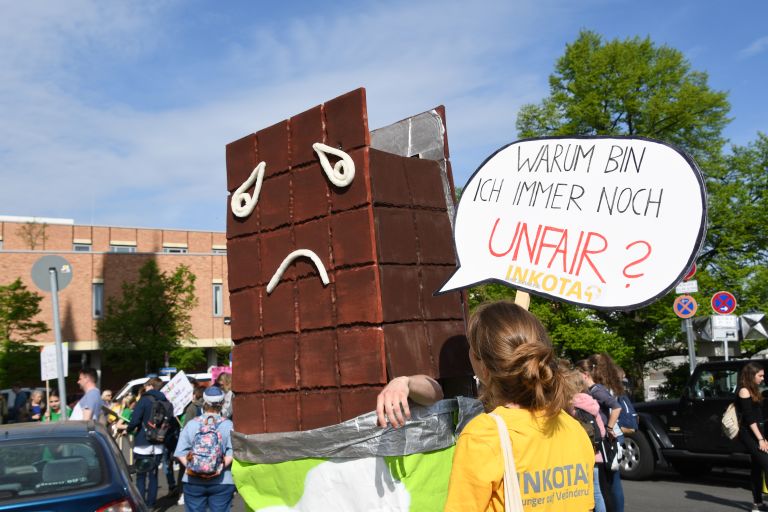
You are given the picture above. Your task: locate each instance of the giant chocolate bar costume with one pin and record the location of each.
(309, 355)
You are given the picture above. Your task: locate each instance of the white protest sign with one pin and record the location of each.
(49, 369)
(606, 223)
(178, 391)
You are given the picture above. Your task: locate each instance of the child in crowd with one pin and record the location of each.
(53, 411)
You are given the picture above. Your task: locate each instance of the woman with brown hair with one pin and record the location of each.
(749, 404)
(583, 400)
(224, 381)
(524, 385)
(604, 385)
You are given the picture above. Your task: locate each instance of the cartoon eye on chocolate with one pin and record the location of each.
(243, 203)
(343, 172)
(340, 174)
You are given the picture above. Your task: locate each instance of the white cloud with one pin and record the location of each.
(69, 147)
(756, 47)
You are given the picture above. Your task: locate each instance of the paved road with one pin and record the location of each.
(721, 491)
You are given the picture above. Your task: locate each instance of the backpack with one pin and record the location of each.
(160, 421)
(206, 457)
(589, 424)
(628, 416)
(730, 422)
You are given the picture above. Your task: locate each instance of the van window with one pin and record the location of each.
(49, 466)
(716, 383)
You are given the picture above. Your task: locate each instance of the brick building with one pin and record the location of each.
(102, 258)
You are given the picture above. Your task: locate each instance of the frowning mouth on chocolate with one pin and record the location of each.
(289, 259)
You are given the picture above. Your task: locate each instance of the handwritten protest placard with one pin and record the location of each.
(49, 368)
(606, 223)
(179, 392)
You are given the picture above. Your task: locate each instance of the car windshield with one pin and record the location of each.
(40, 467)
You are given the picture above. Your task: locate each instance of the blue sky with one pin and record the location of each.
(118, 112)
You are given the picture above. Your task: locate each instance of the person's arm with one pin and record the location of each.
(392, 402)
(749, 419)
(607, 401)
(229, 451)
(136, 416)
(612, 419)
(90, 403)
(183, 446)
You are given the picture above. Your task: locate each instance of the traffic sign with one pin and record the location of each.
(691, 272)
(685, 306)
(41, 275)
(723, 303)
(687, 287)
(168, 370)
(725, 328)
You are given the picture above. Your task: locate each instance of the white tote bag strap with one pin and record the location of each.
(513, 501)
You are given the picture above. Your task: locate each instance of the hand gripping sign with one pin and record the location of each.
(606, 223)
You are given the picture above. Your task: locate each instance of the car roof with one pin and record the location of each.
(733, 361)
(165, 378)
(36, 430)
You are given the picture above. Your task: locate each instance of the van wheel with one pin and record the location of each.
(638, 461)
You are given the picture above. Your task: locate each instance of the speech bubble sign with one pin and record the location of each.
(610, 223)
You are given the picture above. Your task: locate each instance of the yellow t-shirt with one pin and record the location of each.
(554, 461)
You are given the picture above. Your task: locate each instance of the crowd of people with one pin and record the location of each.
(132, 421)
(534, 401)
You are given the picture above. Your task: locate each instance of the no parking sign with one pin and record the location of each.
(685, 306)
(723, 303)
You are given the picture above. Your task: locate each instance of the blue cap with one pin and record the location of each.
(213, 395)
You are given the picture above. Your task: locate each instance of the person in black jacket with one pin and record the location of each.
(147, 456)
(750, 405)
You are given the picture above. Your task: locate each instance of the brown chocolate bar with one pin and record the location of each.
(309, 355)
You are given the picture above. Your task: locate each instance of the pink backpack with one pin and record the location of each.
(206, 458)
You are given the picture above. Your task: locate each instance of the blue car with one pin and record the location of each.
(71, 466)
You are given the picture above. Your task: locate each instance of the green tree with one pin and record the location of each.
(188, 359)
(634, 88)
(735, 257)
(150, 318)
(19, 361)
(677, 377)
(628, 87)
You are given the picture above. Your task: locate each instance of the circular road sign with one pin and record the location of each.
(42, 276)
(691, 272)
(723, 303)
(685, 306)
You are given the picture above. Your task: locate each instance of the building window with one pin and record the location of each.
(218, 250)
(1, 244)
(175, 250)
(81, 247)
(98, 300)
(122, 248)
(218, 299)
